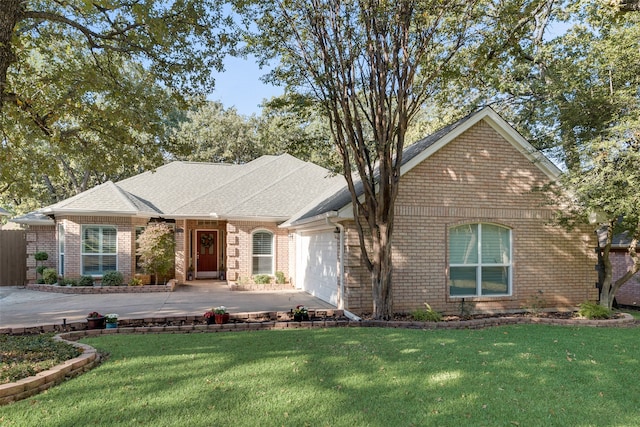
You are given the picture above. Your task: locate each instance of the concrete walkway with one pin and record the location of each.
(22, 308)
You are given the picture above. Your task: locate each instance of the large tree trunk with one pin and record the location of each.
(381, 276)
(10, 13)
(609, 287)
(627, 5)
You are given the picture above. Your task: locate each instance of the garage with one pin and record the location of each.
(317, 263)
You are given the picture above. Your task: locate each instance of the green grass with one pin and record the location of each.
(518, 375)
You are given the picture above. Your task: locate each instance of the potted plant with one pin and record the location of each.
(95, 320)
(221, 314)
(209, 316)
(112, 320)
(190, 273)
(300, 313)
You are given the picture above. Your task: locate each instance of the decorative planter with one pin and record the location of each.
(112, 325)
(300, 317)
(222, 318)
(210, 320)
(95, 322)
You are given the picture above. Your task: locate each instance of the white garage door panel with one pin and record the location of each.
(318, 266)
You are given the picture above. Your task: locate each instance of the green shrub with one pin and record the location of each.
(69, 282)
(427, 314)
(50, 276)
(280, 279)
(40, 269)
(85, 281)
(261, 279)
(41, 256)
(591, 310)
(135, 281)
(112, 278)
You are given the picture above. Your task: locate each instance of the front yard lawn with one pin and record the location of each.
(505, 376)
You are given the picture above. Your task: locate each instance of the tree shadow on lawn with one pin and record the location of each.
(346, 376)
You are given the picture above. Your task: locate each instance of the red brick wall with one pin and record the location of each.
(479, 177)
(40, 238)
(629, 293)
(47, 240)
(239, 238)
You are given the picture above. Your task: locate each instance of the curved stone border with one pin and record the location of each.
(90, 358)
(169, 287)
(30, 386)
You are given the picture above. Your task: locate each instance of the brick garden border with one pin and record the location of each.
(249, 322)
(124, 289)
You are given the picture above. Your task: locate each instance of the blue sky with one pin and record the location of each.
(239, 86)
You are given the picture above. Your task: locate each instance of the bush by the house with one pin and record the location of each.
(427, 314)
(261, 279)
(591, 310)
(156, 249)
(67, 281)
(50, 276)
(112, 278)
(280, 279)
(85, 281)
(135, 281)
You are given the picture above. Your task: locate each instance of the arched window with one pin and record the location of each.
(262, 252)
(479, 260)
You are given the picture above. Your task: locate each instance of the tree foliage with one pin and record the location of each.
(180, 40)
(90, 88)
(371, 66)
(156, 246)
(577, 94)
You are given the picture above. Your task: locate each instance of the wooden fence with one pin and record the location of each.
(13, 258)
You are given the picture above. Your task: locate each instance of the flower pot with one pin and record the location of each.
(210, 320)
(222, 318)
(95, 322)
(112, 325)
(300, 317)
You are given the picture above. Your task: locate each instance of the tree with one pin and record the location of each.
(179, 40)
(82, 128)
(211, 133)
(370, 66)
(88, 89)
(156, 247)
(578, 93)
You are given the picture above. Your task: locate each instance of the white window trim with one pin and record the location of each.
(273, 250)
(61, 244)
(480, 264)
(82, 253)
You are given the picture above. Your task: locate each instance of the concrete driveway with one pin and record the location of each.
(21, 308)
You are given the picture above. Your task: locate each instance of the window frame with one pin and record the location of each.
(479, 264)
(61, 242)
(99, 254)
(272, 255)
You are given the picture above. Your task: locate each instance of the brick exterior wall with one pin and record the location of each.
(629, 293)
(239, 247)
(40, 238)
(479, 177)
(46, 238)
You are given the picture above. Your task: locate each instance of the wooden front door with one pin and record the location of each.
(206, 253)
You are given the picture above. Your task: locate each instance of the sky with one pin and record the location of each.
(239, 86)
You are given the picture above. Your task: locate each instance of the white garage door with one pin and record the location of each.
(317, 264)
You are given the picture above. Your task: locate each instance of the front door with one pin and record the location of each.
(206, 253)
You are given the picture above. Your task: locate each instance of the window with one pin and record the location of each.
(479, 260)
(139, 230)
(98, 249)
(61, 249)
(262, 251)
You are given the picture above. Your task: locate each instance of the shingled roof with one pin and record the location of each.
(270, 187)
